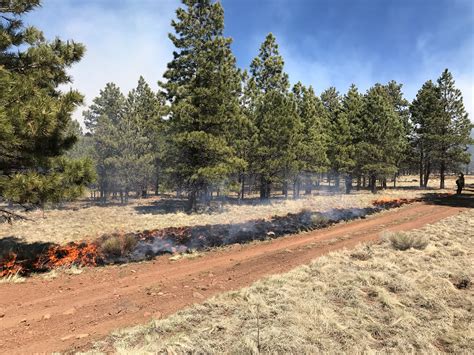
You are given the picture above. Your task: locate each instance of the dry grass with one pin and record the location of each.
(12, 279)
(66, 225)
(69, 270)
(372, 299)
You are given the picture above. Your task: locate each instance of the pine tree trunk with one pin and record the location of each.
(373, 183)
(296, 188)
(359, 182)
(384, 183)
(192, 200)
(308, 188)
(421, 170)
(208, 196)
(395, 180)
(242, 186)
(427, 174)
(364, 182)
(337, 181)
(348, 183)
(157, 186)
(265, 188)
(285, 189)
(442, 172)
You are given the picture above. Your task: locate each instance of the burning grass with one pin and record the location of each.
(23, 258)
(371, 299)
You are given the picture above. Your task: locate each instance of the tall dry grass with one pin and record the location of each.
(372, 299)
(64, 225)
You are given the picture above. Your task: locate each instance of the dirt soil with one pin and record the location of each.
(73, 311)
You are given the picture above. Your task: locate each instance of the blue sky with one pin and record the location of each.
(324, 43)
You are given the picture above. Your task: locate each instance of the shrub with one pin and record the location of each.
(462, 282)
(319, 220)
(405, 241)
(118, 245)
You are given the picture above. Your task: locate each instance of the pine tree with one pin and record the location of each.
(339, 146)
(203, 86)
(455, 130)
(313, 143)
(35, 115)
(110, 103)
(105, 147)
(401, 107)
(383, 137)
(267, 68)
(103, 118)
(246, 139)
(442, 128)
(149, 109)
(132, 160)
(352, 105)
(275, 118)
(426, 112)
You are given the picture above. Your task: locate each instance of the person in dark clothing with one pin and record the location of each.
(460, 183)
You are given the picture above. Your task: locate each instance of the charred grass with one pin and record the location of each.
(377, 298)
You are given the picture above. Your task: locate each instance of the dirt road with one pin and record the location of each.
(71, 312)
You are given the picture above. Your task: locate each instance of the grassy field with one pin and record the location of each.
(81, 221)
(379, 298)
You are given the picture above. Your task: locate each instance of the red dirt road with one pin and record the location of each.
(71, 312)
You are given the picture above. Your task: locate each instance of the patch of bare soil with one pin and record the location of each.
(71, 312)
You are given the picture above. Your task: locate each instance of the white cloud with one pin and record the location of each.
(129, 38)
(459, 61)
(123, 42)
(352, 66)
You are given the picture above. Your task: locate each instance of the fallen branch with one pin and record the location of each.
(11, 216)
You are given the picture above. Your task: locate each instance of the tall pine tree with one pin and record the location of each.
(383, 137)
(351, 112)
(441, 128)
(148, 110)
(426, 114)
(203, 86)
(455, 130)
(275, 118)
(402, 109)
(312, 145)
(339, 147)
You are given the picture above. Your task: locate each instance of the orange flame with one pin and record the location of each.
(83, 254)
(80, 254)
(10, 266)
(387, 201)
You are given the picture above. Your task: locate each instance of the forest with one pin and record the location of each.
(212, 129)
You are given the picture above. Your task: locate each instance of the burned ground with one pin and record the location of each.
(23, 258)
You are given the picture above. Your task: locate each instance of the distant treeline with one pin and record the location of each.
(212, 127)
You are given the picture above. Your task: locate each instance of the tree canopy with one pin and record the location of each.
(35, 115)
